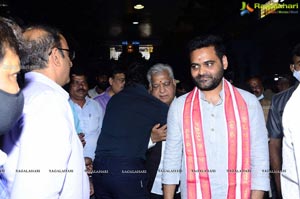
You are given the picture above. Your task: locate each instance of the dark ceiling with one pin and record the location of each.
(93, 25)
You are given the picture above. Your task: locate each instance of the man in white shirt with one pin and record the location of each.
(45, 156)
(101, 82)
(162, 85)
(290, 175)
(89, 114)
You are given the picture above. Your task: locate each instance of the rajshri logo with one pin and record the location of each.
(271, 7)
(246, 9)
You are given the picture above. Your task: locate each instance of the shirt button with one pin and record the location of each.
(212, 115)
(212, 129)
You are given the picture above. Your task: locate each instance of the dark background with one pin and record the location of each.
(255, 46)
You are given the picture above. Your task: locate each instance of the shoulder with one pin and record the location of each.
(247, 95)
(178, 103)
(283, 96)
(42, 92)
(93, 104)
(40, 97)
(251, 100)
(100, 97)
(294, 98)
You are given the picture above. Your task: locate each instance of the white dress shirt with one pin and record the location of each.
(90, 117)
(290, 173)
(45, 155)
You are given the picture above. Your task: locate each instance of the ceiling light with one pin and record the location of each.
(138, 6)
(135, 22)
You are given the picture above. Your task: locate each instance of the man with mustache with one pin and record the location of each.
(257, 88)
(116, 79)
(217, 144)
(89, 113)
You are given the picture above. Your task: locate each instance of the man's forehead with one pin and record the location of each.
(161, 75)
(296, 59)
(78, 77)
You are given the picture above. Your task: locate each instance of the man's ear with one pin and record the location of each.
(225, 62)
(149, 87)
(174, 82)
(110, 80)
(292, 67)
(55, 57)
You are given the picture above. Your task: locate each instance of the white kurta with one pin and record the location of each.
(215, 138)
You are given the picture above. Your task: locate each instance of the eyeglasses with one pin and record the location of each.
(71, 53)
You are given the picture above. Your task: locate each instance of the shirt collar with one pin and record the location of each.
(221, 94)
(261, 97)
(38, 77)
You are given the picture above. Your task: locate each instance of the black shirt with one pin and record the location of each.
(129, 118)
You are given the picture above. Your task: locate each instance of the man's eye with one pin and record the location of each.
(209, 64)
(155, 86)
(167, 83)
(195, 66)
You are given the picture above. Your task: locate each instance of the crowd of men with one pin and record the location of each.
(130, 137)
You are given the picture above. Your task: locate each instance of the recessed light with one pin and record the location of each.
(138, 6)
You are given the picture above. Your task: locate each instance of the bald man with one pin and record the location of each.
(45, 156)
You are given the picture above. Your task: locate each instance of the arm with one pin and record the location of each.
(169, 190)
(275, 146)
(255, 194)
(259, 149)
(173, 152)
(275, 131)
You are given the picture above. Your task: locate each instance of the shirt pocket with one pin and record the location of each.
(90, 125)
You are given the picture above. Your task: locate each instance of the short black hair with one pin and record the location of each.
(116, 68)
(207, 41)
(295, 52)
(137, 74)
(7, 38)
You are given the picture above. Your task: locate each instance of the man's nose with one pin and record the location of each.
(162, 88)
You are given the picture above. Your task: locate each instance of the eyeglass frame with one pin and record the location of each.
(71, 52)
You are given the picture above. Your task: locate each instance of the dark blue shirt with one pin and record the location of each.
(129, 118)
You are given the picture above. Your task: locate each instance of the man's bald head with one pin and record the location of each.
(40, 40)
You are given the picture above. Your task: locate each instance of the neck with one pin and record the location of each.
(111, 92)
(213, 96)
(48, 73)
(80, 102)
(98, 90)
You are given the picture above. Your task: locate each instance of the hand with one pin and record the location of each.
(92, 191)
(159, 133)
(88, 165)
(81, 137)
